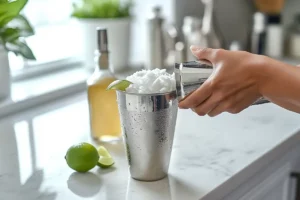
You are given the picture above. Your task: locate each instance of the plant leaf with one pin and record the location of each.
(9, 34)
(9, 10)
(20, 48)
(22, 24)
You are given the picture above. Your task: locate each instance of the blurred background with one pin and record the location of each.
(145, 34)
(58, 37)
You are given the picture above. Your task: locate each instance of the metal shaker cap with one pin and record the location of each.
(102, 40)
(155, 13)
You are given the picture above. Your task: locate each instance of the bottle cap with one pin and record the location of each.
(102, 40)
(274, 19)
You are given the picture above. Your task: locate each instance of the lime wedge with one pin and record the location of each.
(102, 151)
(119, 85)
(105, 159)
(105, 162)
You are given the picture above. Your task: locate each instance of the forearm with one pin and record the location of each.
(280, 83)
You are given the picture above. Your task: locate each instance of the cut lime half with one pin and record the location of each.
(119, 85)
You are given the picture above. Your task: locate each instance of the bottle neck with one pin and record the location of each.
(102, 60)
(208, 18)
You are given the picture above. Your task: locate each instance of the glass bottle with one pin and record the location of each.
(104, 114)
(212, 36)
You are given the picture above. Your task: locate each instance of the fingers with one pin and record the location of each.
(205, 107)
(234, 104)
(197, 97)
(202, 53)
(219, 109)
(209, 104)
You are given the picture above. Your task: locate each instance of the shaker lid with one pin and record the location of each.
(102, 40)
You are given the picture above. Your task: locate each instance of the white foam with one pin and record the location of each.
(151, 81)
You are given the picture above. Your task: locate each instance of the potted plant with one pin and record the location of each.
(111, 14)
(14, 27)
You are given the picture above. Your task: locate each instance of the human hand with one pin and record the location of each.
(233, 85)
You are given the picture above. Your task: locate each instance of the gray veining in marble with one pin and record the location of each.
(207, 154)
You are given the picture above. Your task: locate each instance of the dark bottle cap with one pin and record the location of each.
(274, 19)
(102, 40)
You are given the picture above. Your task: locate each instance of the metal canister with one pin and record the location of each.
(148, 125)
(156, 52)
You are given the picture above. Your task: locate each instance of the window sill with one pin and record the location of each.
(29, 93)
(26, 94)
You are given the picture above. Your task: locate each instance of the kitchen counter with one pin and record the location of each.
(211, 156)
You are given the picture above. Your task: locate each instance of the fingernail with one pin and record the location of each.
(195, 48)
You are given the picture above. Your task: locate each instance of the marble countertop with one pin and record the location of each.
(211, 156)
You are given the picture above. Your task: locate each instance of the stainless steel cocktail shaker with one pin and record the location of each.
(191, 75)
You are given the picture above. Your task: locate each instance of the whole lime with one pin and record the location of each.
(82, 157)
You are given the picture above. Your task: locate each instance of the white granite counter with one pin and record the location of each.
(211, 156)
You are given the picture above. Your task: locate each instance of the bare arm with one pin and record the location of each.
(281, 84)
(239, 79)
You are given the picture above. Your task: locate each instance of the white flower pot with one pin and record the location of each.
(5, 81)
(118, 40)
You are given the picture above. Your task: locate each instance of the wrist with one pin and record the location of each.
(263, 70)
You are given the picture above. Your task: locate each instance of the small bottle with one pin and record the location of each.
(192, 34)
(212, 36)
(104, 114)
(274, 36)
(258, 37)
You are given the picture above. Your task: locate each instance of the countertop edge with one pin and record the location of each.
(223, 190)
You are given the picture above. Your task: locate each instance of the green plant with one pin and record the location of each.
(101, 9)
(14, 27)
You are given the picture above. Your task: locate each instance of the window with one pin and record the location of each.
(55, 43)
(57, 40)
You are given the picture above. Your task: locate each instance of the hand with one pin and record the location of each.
(233, 85)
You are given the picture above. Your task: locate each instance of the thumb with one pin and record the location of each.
(202, 53)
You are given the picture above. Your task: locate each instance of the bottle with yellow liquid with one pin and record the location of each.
(104, 114)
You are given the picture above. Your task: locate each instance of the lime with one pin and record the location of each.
(82, 157)
(119, 85)
(105, 159)
(105, 162)
(102, 151)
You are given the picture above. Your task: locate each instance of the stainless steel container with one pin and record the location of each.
(191, 75)
(148, 125)
(156, 50)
